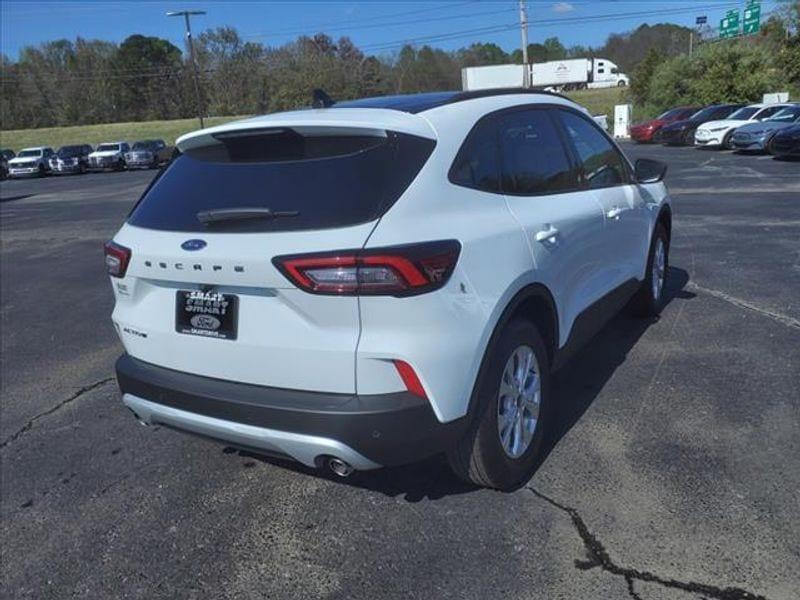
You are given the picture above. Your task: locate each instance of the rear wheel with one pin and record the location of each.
(649, 300)
(688, 138)
(511, 411)
(42, 171)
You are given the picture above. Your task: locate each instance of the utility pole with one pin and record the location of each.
(190, 45)
(523, 24)
(691, 40)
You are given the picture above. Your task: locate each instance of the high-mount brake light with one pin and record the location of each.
(117, 259)
(395, 271)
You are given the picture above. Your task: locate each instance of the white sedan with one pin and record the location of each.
(719, 133)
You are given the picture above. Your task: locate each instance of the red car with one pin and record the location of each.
(643, 132)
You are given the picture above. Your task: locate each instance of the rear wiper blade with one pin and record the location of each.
(219, 215)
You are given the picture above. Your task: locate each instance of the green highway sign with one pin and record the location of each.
(729, 26)
(752, 17)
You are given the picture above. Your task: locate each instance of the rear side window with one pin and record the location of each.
(534, 160)
(315, 181)
(477, 164)
(602, 164)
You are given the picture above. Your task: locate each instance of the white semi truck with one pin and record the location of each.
(571, 74)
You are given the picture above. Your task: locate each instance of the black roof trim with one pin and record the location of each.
(471, 95)
(417, 103)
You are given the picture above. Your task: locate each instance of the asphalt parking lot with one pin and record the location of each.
(674, 473)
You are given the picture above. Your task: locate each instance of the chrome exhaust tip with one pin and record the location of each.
(339, 467)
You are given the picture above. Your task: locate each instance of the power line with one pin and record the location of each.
(344, 24)
(452, 35)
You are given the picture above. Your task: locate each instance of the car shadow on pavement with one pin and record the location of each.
(12, 198)
(576, 387)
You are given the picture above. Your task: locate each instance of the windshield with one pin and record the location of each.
(29, 154)
(328, 181)
(744, 113)
(69, 151)
(144, 145)
(704, 113)
(673, 113)
(108, 148)
(786, 115)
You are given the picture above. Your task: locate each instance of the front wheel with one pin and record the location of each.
(727, 141)
(649, 300)
(511, 411)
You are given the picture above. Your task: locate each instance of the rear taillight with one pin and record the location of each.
(117, 259)
(395, 271)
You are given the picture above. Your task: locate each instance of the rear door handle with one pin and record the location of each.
(546, 235)
(614, 213)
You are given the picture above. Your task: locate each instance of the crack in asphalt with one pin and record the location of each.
(775, 316)
(30, 423)
(597, 556)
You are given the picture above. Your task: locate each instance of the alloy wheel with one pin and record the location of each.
(658, 270)
(519, 401)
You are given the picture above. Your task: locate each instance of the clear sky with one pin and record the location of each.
(375, 26)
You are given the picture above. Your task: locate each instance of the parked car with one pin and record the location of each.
(71, 159)
(5, 156)
(370, 286)
(31, 161)
(756, 136)
(109, 156)
(681, 133)
(786, 142)
(646, 131)
(148, 154)
(720, 133)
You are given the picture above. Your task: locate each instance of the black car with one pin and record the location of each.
(786, 143)
(5, 156)
(71, 159)
(681, 133)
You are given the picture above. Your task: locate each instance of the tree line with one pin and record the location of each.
(67, 82)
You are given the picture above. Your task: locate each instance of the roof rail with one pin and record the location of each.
(472, 94)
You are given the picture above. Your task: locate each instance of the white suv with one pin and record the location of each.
(385, 279)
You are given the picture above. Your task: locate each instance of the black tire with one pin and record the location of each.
(727, 141)
(688, 138)
(42, 171)
(120, 165)
(621, 84)
(479, 457)
(645, 303)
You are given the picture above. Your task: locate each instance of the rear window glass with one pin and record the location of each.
(311, 181)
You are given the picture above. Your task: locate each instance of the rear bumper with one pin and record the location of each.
(367, 431)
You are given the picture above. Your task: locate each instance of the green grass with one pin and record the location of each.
(16, 139)
(602, 101)
(597, 101)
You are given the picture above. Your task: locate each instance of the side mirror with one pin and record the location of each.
(649, 171)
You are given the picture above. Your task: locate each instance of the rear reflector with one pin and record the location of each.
(410, 379)
(395, 271)
(117, 259)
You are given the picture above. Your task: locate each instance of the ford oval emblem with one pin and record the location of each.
(191, 245)
(205, 322)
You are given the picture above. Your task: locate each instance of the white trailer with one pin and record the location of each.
(576, 73)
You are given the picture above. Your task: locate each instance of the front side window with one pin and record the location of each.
(766, 113)
(534, 159)
(477, 165)
(602, 164)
